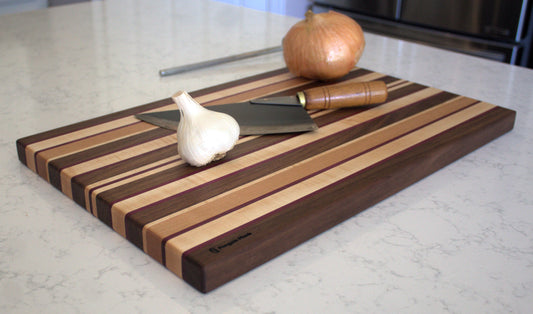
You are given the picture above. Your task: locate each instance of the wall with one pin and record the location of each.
(285, 7)
(15, 6)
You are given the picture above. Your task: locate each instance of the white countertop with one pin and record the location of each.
(459, 241)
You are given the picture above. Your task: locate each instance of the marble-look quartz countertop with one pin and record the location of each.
(459, 241)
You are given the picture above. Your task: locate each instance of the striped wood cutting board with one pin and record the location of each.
(211, 224)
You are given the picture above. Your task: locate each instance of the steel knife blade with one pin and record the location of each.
(252, 119)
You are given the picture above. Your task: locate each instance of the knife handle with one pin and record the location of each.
(345, 95)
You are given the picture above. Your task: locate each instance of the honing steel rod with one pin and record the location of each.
(208, 63)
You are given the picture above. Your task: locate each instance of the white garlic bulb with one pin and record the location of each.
(203, 135)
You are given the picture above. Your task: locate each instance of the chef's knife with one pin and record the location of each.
(285, 114)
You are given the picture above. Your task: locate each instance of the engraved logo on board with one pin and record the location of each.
(219, 248)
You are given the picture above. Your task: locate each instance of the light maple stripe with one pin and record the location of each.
(285, 78)
(120, 209)
(156, 231)
(396, 83)
(69, 172)
(176, 246)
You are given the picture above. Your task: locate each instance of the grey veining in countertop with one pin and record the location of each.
(459, 241)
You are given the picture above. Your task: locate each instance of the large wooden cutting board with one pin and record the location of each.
(211, 224)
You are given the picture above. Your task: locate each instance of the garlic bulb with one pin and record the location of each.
(203, 135)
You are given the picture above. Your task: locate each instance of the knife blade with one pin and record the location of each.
(285, 114)
(252, 119)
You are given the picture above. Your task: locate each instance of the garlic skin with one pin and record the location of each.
(203, 135)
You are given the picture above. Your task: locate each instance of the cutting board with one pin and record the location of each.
(209, 225)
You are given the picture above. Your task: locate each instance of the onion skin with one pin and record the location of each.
(324, 46)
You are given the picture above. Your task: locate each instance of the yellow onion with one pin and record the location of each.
(324, 46)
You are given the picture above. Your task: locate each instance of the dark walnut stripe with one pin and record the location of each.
(136, 220)
(268, 237)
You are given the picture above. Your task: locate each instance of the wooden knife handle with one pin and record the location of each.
(345, 95)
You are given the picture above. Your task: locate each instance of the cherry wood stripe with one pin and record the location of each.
(34, 148)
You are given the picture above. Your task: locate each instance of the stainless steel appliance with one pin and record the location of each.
(496, 29)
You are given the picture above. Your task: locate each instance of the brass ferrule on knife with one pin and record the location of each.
(301, 98)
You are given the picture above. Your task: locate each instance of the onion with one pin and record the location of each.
(324, 46)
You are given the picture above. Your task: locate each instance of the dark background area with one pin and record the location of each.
(500, 30)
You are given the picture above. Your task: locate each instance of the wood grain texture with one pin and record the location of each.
(211, 224)
(345, 95)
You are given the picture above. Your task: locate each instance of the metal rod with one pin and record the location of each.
(208, 63)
